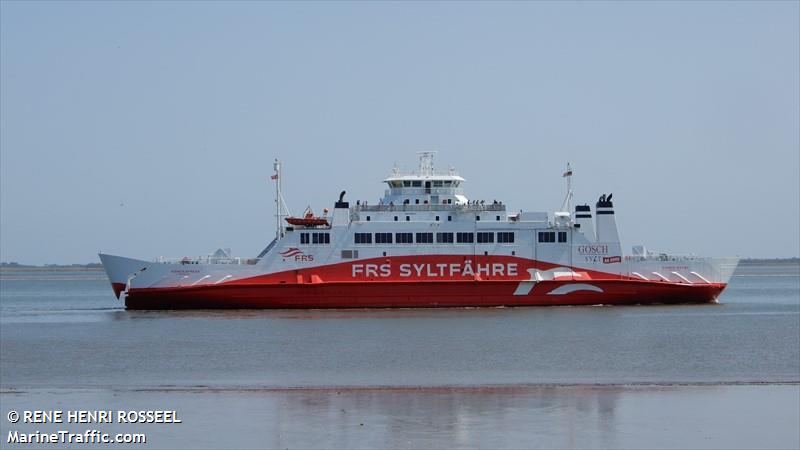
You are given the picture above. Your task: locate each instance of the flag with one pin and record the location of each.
(274, 177)
(568, 173)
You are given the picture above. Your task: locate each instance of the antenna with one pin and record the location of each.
(567, 205)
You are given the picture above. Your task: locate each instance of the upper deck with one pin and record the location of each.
(425, 186)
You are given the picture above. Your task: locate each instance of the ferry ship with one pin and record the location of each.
(426, 244)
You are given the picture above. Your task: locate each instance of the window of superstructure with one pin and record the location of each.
(349, 254)
(321, 238)
(406, 183)
(547, 236)
(408, 218)
(416, 201)
(403, 238)
(497, 218)
(465, 238)
(304, 238)
(562, 236)
(477, 218)
(437, 218)
(416, 184)
(395, 218)
(485, 237)
(444, 238)
(383, 238)
(368, 218)
(449, 218)
(363, 238)
(424, 238)
(505, 237)
(437, 183)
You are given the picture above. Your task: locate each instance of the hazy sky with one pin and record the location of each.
(149, 128)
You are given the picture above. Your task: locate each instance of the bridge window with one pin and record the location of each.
(383, 238)
(465, 238)
(547, 236)
(406, 183)
(403, 238)
(304, 238)
(321, 238)
(416, 183)
(485, 238)
(562, 236)
(363, 238)
(437, 183)
(444, 238)
(505, 237)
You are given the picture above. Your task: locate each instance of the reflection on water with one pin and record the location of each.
(518, 417)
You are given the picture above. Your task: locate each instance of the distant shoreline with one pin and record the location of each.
(95, 267)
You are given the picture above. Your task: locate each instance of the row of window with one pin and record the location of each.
(416, 183)
(315, 238)
(449, 218)
(550, 236)
(484, 237)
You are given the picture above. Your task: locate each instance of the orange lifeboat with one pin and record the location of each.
(308, 219)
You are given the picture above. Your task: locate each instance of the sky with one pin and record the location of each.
(148, 129)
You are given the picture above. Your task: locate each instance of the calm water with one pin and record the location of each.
(657, 376)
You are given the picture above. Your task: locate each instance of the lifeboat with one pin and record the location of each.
(308, 219)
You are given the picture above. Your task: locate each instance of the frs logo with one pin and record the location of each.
(297, 254)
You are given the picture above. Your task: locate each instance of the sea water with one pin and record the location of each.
(720, 375)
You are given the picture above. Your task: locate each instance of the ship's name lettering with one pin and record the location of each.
(432, 270)
(593, 249)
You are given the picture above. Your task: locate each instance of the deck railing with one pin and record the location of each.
(188, 260)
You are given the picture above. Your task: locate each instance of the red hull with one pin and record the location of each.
(416, 294)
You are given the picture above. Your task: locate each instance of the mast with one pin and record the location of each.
(281, 210)
(567, 205)
(426, 163)
(277, 177)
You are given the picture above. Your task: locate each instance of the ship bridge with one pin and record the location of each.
(424, 187)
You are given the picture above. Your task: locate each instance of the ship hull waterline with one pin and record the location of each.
(433, 294)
